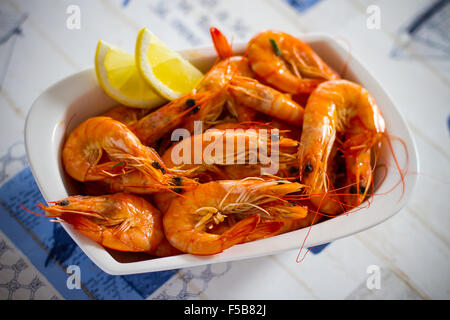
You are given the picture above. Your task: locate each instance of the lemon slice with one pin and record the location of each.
(165, 70)
(120, 79)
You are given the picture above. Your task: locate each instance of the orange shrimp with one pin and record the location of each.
(238, 66)
(287, 63)
(140, 183)
(219, 77)
(120, 221)
(101, 148)
(232, 153)
(247, 95)
(252, 94)
(228, 154)
(345, 108)
(201, 106)
(228, 67)
(241, 203)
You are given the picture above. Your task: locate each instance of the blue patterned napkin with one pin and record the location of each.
(51, 250)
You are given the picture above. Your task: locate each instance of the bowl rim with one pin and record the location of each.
(107, 263)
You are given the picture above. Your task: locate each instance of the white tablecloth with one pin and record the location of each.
(411, 249)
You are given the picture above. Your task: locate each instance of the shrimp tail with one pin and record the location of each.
(240, 231)
(265, 230)
(221, 44)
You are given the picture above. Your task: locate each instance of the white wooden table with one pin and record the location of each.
(411, 249)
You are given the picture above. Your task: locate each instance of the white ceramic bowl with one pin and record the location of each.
(67, 103)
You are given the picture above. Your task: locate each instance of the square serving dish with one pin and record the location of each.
(74, 99)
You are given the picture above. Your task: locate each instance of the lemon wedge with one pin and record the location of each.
(120, 79)
(164, 69)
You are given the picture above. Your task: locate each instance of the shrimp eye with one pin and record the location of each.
(178, 190)
(157, 165)
(195, 110)
(63, 203)
(308, 168)
(190, 103)
(177, 181)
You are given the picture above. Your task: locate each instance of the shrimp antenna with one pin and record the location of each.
(33, 212)
(400, 171)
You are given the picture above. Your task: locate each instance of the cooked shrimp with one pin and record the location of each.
(102, 138)
(242, 203)
(345, 108)
(252, 94)
(287, 63)
(201, 106)
(230, 153)
(118, 221)
(140, 183)
(248, 97)
(219, 79)
(228, 66)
